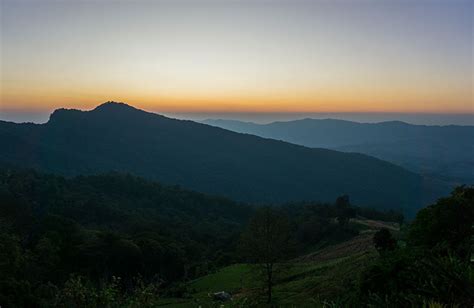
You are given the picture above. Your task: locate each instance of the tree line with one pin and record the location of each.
(430, 264)
(86, 240)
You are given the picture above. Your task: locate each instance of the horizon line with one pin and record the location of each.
(224, 111)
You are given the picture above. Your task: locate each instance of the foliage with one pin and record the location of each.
(434, 268)
(384, 241)
(448, 225)
(120, 241)
(410, 279)
(78, 292)
(265, 242)
(103, 226)
(63, 236)
(345, 212)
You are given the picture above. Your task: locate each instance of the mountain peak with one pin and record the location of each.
(111, 105)
(66, 115)
(108, 111)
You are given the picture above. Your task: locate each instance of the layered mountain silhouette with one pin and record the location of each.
(117, 137)
(445, 152)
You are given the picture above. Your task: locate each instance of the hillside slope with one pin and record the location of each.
(324, 274)
(445, 152)
(118, 137)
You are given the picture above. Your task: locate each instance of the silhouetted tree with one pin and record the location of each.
(384, 241)
(266, 243)
(344, 210)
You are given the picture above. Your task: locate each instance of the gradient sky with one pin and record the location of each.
(238, 56)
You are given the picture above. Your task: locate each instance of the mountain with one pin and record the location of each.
(444, 152)
(117, 137)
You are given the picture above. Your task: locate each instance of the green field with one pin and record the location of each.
(306, 281)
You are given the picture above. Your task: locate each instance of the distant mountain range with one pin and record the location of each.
(443, 152)
(118, 137)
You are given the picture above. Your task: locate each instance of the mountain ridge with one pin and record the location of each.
(117, 137)
(443, 151)
(222, 120)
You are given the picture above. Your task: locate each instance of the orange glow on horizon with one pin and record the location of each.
(310, 57)
(283, 104)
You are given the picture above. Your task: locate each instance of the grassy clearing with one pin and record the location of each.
(230, 279)
(322, 275)
(301, 284)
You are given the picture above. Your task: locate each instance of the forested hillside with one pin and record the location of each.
(444, 152)
(54, 230)
(117, 137)
(120, 241)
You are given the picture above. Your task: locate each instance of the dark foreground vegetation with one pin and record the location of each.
(120, 241)
(433, 263)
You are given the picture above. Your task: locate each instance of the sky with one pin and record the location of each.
(238, 57)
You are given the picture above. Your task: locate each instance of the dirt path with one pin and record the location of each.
(377, 224)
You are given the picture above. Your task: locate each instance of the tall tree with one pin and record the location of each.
(447, 225)
(265, 243)
(344, 210)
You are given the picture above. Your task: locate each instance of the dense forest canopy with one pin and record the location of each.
(118, 225)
